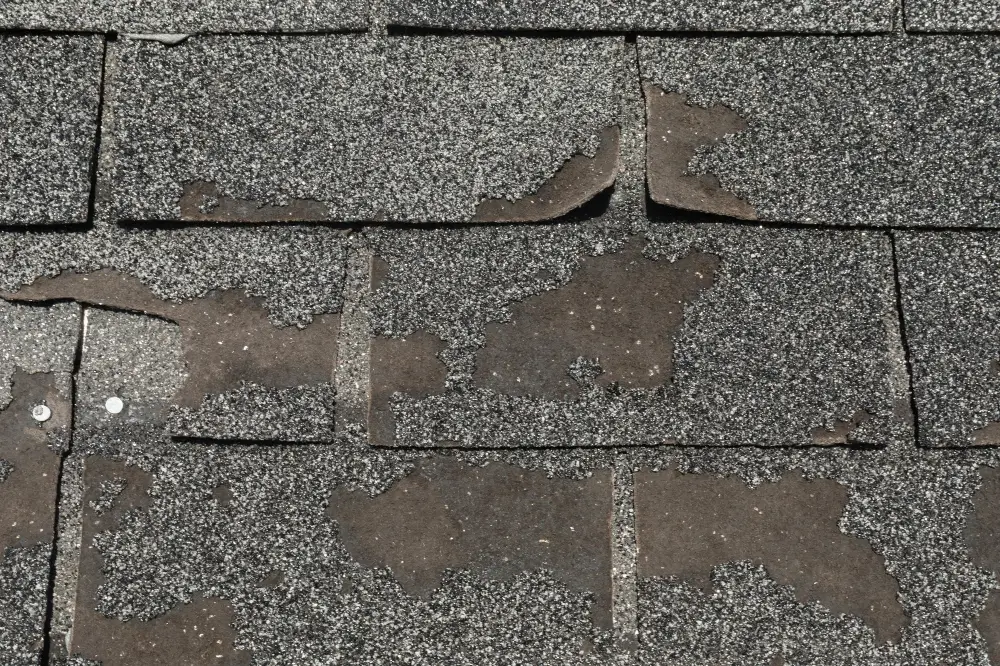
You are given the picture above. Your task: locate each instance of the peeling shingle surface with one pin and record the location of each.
(951, 305)
(177, 16)
(796, 334)
(694, 15)
(349, 128)
(36, 339)
(868, 131)
(952, 15)
(48, 108)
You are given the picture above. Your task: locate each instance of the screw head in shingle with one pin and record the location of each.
(114, 405)
(41, 413)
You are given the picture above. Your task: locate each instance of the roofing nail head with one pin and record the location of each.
(41, 413)
(114, 405)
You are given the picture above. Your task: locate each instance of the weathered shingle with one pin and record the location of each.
(951, 308)
(865, 130)
(696, 334)
(708, 15)
(179, 16)
(48, 108)
(355, 129)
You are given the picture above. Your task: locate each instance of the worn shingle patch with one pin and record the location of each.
(36, 339)
(351, 128)
(951, 308)
(766, 338)
(178, 16)
(30, 454)
(957, 15)
(865, 130)
(48, 107)
(721, 15)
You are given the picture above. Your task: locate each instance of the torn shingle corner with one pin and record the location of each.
(676, 131)
(578, 181)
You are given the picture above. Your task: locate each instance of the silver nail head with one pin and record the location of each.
(41, 413)
(114, 405)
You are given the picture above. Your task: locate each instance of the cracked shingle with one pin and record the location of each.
(48, 107)
(351, 128)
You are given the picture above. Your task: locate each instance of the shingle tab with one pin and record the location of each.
(707, 15)
(865, 130)
(952, 15)
(351, 128)
(951, 308)
(48, 108)
(180, 16)
(701, 335)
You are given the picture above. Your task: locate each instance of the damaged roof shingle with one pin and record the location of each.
(348, 128)
(48, 108)
(866, 130)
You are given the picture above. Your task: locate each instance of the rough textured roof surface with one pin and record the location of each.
(177, 16)
(840, 130)
(349, 128)
(48, 107)
(493, 334)
(952, 15)
(721, 15)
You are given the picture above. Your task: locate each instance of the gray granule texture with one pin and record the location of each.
(943, 15)
(133, 357)
(178, 16)
(708, 15)
(24, 581)
(36, 339)
(798, 332)
(254, 412)
(110, 490)
(327, 609)
(951, 306)
(867, 130)
(355, 123)
(5, 469)
(296, 272)
(48, 107)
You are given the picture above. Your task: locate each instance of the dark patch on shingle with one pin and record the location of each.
(621, 310)
(790, 315)
(48, 107)
(688, 524)
(982, 536)
(676, 130)
(196, 633)
(229, 343)
(356, 124)
(498, 520)
(632, 15)
(410, 366)
(865, 130)
(28, 497)
(578, 181)
(36, 339)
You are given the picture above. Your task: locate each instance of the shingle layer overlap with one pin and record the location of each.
(497, 333)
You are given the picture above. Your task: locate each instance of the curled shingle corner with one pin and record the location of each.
(675, 132)
(579, 180)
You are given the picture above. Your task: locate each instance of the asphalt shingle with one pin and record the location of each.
(48, 108)
(352, 128)
(952, 15)
(785, 338)
(177, 16)
(866, 130)
(950, 296)
(690, 15)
